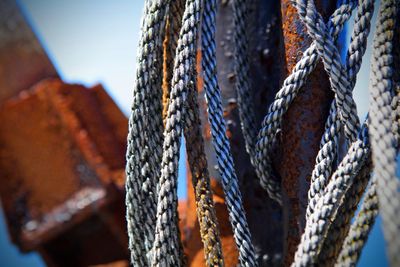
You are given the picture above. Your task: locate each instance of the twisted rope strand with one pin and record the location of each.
(221, 143)
(318, 223)
(201, 183)
(167, 243)
(174, 23)
(329, 143)
(141, 166)
(383, 141)
(359, 230)
(331, 58)
(340, 226)
(291, 86)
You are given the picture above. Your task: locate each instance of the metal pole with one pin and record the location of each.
(302, 126)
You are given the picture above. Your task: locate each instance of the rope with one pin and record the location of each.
(291, 86)
(359, 230)
(167, 242)
(319, 221)
(328, 149)
(331, 58)
(221, 143)
(339, 228)
(141, 169)
(174, 23)
(165, 107)
(383, 141)
(201, 183)
(196, 155)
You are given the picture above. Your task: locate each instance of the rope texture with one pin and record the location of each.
(168, 45)
(142, 168)
(291, 86)
(327, 206)
(221, 143)
(359, 230)
(383, 141)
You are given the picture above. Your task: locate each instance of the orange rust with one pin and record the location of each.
(62, 158)
(302, 129)
(200, 78)
(165, 82)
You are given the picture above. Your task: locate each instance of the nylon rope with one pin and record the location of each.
(140, 185)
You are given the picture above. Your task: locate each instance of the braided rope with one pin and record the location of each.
(327, 206)
(153, 155)
(383, 141)
(174, 23)
(291, 86)
(329, 143)
(221, 143)
(330, 55)
(201, 183)
(359, 230)
(340, 226)
(167, 243)
(141, 164)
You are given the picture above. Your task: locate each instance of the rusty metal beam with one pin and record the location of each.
(303, 124)
(23, 62)
(62, 159)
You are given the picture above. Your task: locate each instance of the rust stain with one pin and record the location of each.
(166, 75)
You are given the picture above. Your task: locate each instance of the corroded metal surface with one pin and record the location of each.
(62, 165)
(303, 125)
(23, 61)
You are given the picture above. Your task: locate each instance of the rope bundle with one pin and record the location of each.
(171, 30)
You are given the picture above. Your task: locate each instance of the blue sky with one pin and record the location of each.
(94, 41)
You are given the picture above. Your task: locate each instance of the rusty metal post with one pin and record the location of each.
(303, 125)
(277, 42)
